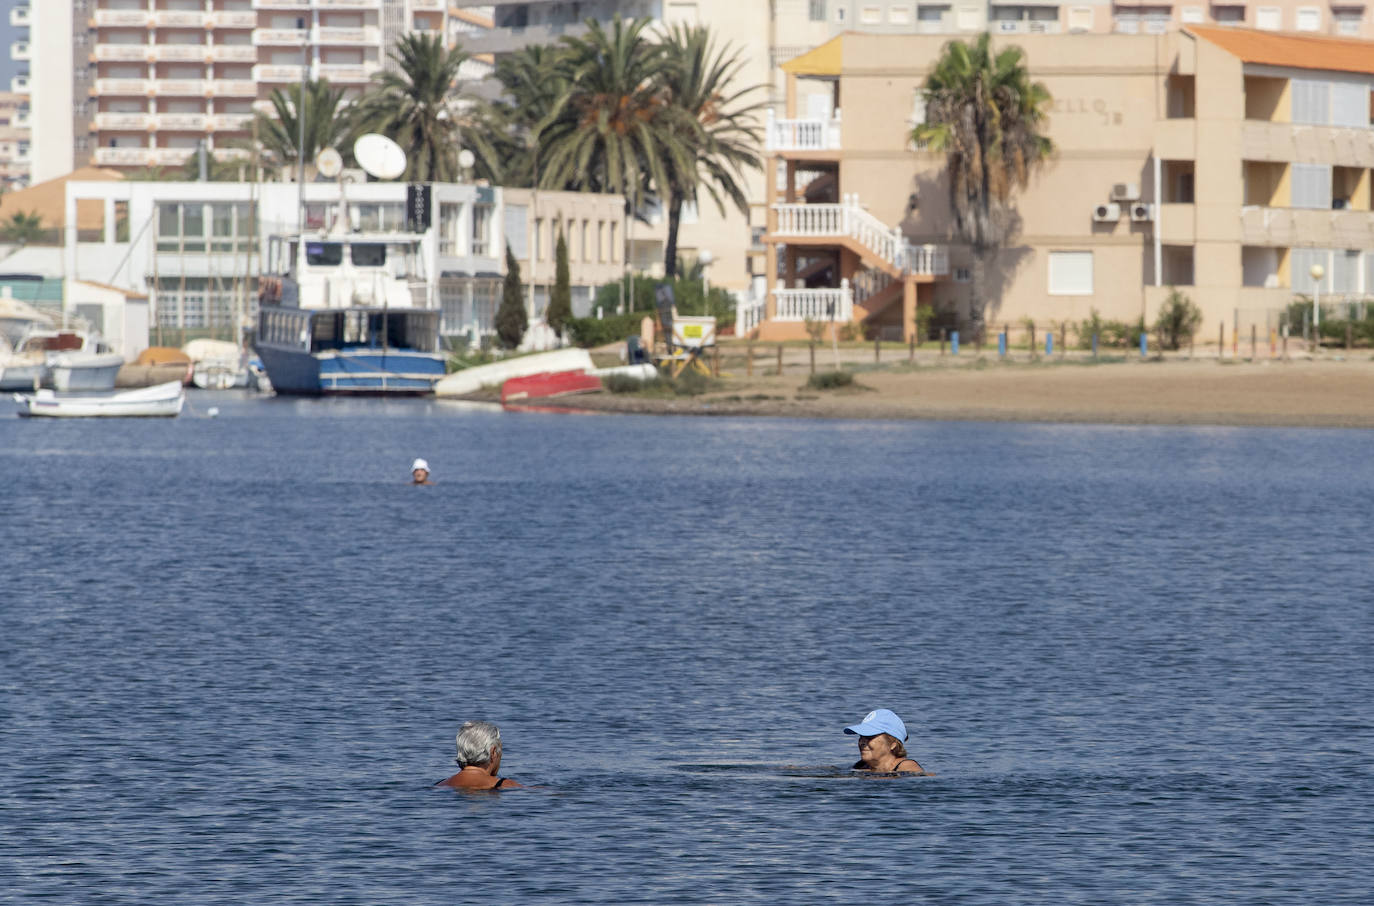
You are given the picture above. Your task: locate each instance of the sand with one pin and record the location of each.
(1334, 391)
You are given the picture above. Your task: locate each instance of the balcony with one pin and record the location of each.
(19, 50)
(281, 4)
(339, 73)
(170, 157)
(280, 37)
(122, 87)
(234, 19)
(126, 53)
(367, 35)
(23, 119)
(233, 53)
(20, 17)
(849, 224)
(1025, 26)
(430, 5)
(349, 4)
(231, 122)
(1284, 227)
(802, 134)
(819, 304)
(123, 122)
(234, 88)
(20, 84)
(123, 157)
(1288, 143)
(503, 40)
(122, 18)
(179, 53)
(276, 72)
(181, 87)
(223, 154)
(180, 122)
(179, 18)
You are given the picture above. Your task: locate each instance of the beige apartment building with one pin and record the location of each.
(1224, 162)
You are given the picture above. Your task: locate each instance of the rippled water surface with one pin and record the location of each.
(235, 651)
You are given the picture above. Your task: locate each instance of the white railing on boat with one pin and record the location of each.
(814, 304)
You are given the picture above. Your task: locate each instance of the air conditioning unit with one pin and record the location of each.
(1142, 212)
(1107, 213)
(1125, 191)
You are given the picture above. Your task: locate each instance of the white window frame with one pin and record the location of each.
(1080, 18)
(1065, 270)
(871, 14)
(1269, 18)
(1193, 15)
(1314, 15)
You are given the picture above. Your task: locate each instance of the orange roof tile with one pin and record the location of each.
(1298, 51)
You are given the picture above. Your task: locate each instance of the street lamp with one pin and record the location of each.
(1317, 272)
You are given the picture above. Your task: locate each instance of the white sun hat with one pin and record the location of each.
(419, 464)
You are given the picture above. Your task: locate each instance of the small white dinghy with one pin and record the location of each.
(163, 400)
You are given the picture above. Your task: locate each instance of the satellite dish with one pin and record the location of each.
(379, 156)
(466, 158)
(329, 162)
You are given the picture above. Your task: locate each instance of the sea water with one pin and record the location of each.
(234, 653)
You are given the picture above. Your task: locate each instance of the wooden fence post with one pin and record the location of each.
(813, 356)
(911, 353)
(1221, 341)
(779, 359)
(942, 342)
(877, 348)
(749, 361)
(1252, 343)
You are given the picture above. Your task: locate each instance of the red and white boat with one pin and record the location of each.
(547, 384)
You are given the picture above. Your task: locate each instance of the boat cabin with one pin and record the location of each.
(321, 331)
(341, 270)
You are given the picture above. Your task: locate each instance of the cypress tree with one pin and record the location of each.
(560, 302)
(511, 317)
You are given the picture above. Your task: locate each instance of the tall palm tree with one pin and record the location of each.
(420, 108)
(616, 129)
(22, 228)
(534, 79)
(715, 126)
(326, 124)
(988, 117)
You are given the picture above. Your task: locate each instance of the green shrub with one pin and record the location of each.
(1091, 326)
(687, 295)
(1178, 320)
(589, 332)
(830, 380)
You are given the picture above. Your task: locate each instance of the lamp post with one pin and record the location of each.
(1317, 272)
(300, 128)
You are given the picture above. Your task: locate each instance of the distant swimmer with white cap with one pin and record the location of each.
(479, 756)
(881, 750)
(419, 472)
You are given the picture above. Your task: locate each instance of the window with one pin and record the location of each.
(1071, 273)
(614, 249)
(1080, 18)
(1300, 266)
(870, 15)
(1350, 104)
(1312, 186)
(968, 19)
(1309, 18)
(1193, 15)
(930, 19)
(449, 224)
(1229, 15)
(1311, 102)
(682, 12)
(481, 230)
(1156, 20)
(324, 254)
(839, 14)
(367, 254)
(899, 15)
(1269, 18)
(1345, 271)
(517, 230)
(1348, 20)
(586, 226)
(380, 217)
(816, 10)
(601, 241)
(1128, 23)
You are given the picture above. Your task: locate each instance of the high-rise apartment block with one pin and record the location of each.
(143, 83)
(15, 154)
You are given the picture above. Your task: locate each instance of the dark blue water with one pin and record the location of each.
(234, 653)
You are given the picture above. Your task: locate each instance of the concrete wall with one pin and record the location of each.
(53, 146)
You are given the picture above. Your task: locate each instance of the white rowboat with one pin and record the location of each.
(164, 400)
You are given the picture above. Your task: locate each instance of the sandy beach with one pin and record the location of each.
(1334, 391)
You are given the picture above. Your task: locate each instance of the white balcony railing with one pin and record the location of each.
(434, 5)
(820, 304)
(234, 53)
(275, 72)
(236, 88)
(346, 72)
(125, 122)
(123, 157)
(332, 34)
(235, 19)
(122, 86)
(749, 313)
(231, 122)
(280, 37)
(178, 18)
(849, 219)
(181, 87)
(179, 53)
(281, 4)
(180, 122)
(170, 157)
(138, 53)
(349, 4)
(122, 18)
(1281, 227)
(802, 134)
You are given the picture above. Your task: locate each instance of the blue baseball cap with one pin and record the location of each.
(880, 721)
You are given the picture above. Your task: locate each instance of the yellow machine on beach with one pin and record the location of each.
(685, 337)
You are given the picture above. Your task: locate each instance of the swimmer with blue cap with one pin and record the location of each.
(881, 750)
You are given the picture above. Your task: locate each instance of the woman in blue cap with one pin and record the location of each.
(880, 744)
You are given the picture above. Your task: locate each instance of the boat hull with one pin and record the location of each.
(84, 372)
(543, 386)
(23, 376)
(358, 371)
(160, 401)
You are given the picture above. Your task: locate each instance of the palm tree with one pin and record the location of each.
(989, 118)
(22, 228)
(716, 128)
(326, 124)
(419, 108)
(615, 131)
(535, 82)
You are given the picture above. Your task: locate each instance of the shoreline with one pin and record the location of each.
(1269, 393)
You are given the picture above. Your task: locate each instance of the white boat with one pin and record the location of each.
(470, 380)
(163, 400)
(82, 369)
(217, 364)
(21, 368)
